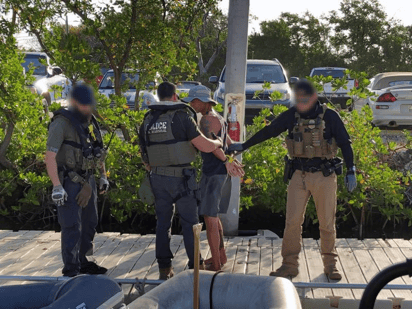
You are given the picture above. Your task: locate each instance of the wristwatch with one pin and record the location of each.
(351, 170)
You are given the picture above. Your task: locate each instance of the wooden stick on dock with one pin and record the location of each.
(197, 228)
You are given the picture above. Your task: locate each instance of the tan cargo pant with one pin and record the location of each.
(323, 189)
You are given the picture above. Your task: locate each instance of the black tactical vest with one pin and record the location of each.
(161, 146)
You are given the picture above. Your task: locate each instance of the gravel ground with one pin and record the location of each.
(391, 135)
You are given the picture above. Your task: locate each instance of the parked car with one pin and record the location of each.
(392, 103)
(40, 61)
(149, 96)
(46, 76)
(186, 85)
(258, 72)
(340, 96)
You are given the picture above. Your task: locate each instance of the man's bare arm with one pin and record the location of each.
(205, 144)
(51, 166)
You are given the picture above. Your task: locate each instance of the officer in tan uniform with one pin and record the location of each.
(74, 151)
(314, 133)
(169, 139)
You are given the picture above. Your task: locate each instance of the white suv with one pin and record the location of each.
(258, 72)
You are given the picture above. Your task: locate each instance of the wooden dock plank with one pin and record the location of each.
(371, 243)
(383, 261)
(127, 262)
(5, 233)
(315, 270)
(402, 243)
(122, 249)
(351, 269)
(253, 261)
(303, 276)
(355, 243)
(276, 254)
(30, 263)
(264, 242)
(37, 253)
(266, 261)
(369, 269)
(241, 260)
(231, 257)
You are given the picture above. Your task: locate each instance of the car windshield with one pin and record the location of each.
(108, 80)
(258, 73)
(333, 73)
(34, 60)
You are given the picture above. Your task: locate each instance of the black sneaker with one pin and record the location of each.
(92, 268)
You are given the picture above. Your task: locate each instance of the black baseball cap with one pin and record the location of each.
(306, 86)
(83, 94)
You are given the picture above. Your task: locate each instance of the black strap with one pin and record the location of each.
(211, 288)
(73, 144)
(81, 131)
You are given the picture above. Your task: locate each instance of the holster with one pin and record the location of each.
(332, 166)
(191, 184)
(289, 170)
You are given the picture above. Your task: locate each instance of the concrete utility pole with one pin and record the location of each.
(235, 94)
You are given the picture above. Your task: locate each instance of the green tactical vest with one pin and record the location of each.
(71, 154)
(307, 139)
(162, 147)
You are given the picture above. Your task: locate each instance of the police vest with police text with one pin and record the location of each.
(307, 141)
(161, 146)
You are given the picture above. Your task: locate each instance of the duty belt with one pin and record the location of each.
(169, 170)
(309, 169)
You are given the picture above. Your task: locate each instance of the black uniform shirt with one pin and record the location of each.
(334, 127)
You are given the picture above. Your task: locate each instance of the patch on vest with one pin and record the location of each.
(158, 127)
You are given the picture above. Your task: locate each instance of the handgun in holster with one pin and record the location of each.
(332, 166)
(190, 176)
(289, 170)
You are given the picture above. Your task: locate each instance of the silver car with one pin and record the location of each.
(392, 103)
(148, 96)
(257, 73)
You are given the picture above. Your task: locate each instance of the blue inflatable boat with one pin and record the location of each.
(81, 292)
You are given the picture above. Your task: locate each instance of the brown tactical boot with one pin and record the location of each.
(332, 272)
(285, 271)
(166, 273)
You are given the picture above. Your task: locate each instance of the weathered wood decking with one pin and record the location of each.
(37, 253)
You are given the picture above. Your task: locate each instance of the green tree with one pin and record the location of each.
(299, 42)
(368, 40)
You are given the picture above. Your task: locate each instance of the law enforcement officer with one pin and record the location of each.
(217, 170)
(314, 133)
(74, 151)
(169, 139)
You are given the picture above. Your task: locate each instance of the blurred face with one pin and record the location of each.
(86, 110)
(199, 106)
(304, 102)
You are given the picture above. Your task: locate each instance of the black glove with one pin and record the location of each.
(350, 179)
(235, 148)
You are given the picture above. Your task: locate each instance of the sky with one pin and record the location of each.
(271, 9)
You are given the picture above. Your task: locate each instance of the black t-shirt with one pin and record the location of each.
(334, 127)
(184, 127)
